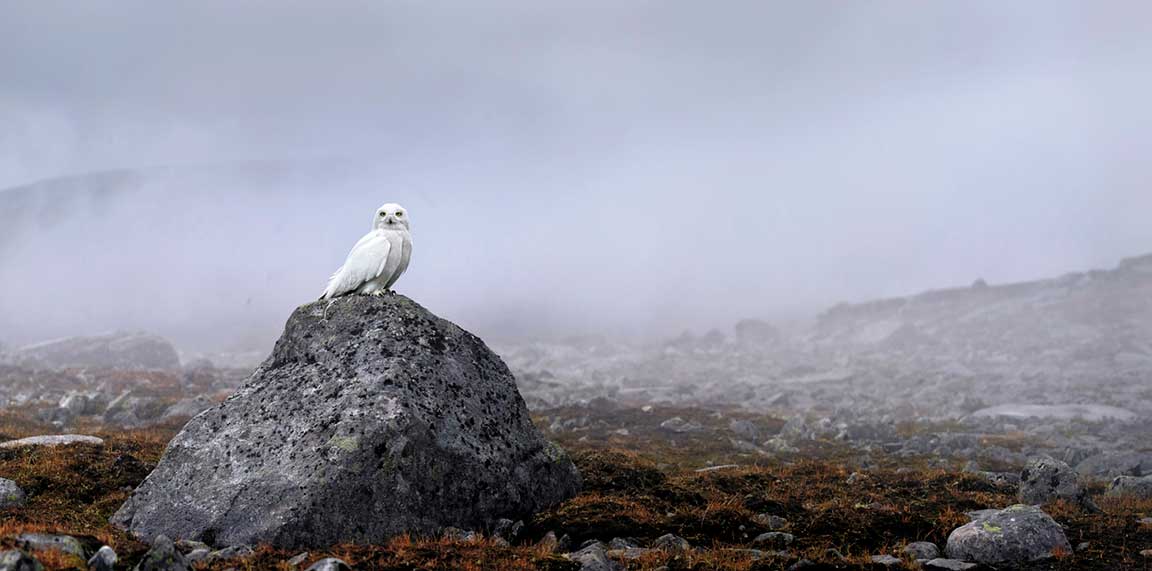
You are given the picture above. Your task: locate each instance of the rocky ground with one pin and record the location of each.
(687, 494)
(889, 435)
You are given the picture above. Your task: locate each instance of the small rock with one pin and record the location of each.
(772, 522)
(833, 553)
(1147, 553)
(922, 550)
(886, 560)
(48, 542)
(227, 553)
(802, 564)
(948, 565)
(198, 555)
(103, 560)
(774, 539)
(621, 543)
(11, 496)
(329, 564)
(298, 559)
(1145, 521)
(1131, 486)
(53, 440)
(669, 542)
(14, 560)
(163, 557)
(679, 425)
(188, 546)
(1018, 533)
(594, 558)
(457, 534)
(1046, 479)
(1083, 546)
(549, 543)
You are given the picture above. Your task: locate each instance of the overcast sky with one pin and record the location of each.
(618, 165)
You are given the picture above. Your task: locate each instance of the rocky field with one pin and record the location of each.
(987, 427)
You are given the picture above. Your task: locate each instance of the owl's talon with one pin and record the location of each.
(380, 293)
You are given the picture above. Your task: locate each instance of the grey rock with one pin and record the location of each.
(922, 550)
(1131, 486)
(670, 542)
(629, 553)
(11, 496)
(886, 560)
(329, 564)
(188, 546)
(1015, 534)
(15, 560)
(65, 544)
(372, 417)
(457, 534)
(774, 539)
(188, 407)
(1112, 464)
(939, 564)
(130, 409)
(802, 564)
(594, 558)
(298, 559)
(198, 555)
(772, 522)
(163, 556)
(234, 552)
(111, 351)
(103, 560)
(679, 425)
(1045, 480)
(53, 440)
(621, 543)
(745, 429)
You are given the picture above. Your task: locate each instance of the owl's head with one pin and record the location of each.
(391, 216)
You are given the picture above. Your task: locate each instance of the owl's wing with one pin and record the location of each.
(364, 263)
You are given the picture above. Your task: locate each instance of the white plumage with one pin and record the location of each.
(378, 259)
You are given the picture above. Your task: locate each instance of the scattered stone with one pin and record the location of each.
(457, 534)
(188, 546)
(999, 479)
(772, 522)
(679, 425)
(298, 559)
(16, 560)
(65, 544)
(355, 382)
(922, 550)
(53, 440)
(939, 564)
(198, 555)
(833, 553)
(670, 542)
(163, 557)
(1083, 546)
(103, 560)
(621, 543)
(774, 539)
(1131, 486)
(1146, 521)
(11, 496)
(549, 543)
(594, 558)
(886, 560)
(329, 564)
(1015, 534)
(234, 552)
(802, 564)
(1147, 553)
(1112, 464)
(1046, 479)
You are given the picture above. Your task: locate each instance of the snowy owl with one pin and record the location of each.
(378, 259)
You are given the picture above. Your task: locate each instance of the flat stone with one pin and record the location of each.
(53, 440)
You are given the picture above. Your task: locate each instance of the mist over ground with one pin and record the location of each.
(613, 168)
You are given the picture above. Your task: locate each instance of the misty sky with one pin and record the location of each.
(634, 166)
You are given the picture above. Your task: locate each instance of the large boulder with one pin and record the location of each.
(1131, 486)
(110, 351)
(372, 417)
(1012, 535)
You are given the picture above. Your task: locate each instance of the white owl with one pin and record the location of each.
(378, 259)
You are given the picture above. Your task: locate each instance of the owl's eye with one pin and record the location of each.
(383, 214)
(399, 214)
